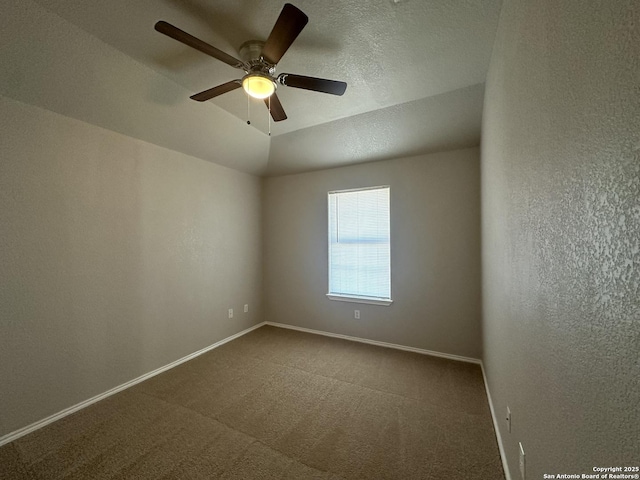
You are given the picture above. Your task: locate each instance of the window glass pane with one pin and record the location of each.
(359, 243)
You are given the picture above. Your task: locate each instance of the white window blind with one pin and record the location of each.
(359, 244)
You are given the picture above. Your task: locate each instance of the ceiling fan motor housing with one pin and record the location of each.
(251, 50)
(258, 70)
(251, 53)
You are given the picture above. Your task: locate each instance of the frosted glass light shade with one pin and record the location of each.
(258, 86)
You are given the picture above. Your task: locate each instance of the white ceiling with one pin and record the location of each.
(412, 68)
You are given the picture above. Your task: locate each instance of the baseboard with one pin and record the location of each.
(378, 343)
(503, 456)
(449, 356)
(10, 437)
(68, 411)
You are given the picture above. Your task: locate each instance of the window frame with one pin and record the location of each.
(356, 298)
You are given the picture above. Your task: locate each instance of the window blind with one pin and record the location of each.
(359, 243)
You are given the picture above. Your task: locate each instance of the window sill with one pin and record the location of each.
(348, 298)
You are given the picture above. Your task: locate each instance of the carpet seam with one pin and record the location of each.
(363, 386)
(222, 422)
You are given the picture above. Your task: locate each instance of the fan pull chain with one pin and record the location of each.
(248, 110)
(269, 116)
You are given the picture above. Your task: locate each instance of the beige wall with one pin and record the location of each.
(117, 257)
(561, 233)
(435, 252)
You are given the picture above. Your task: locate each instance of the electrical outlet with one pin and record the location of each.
(356, 314)
(522, 464)
(246, 308)
(508, 419)
(231, 313)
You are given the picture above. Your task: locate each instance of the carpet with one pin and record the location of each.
(278, 404)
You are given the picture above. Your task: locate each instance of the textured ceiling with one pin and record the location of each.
(391, 54)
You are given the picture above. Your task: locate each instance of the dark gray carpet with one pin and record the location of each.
(278, 404)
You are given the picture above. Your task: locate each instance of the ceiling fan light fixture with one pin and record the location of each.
(258, 86)
(259, 60)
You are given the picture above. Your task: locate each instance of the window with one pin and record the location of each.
(359, 246)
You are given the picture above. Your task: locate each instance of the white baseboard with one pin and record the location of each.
(10, 437)
(68, 411)
(378, 343)
(503, 456)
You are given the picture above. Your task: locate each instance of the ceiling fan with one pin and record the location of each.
(259, 60)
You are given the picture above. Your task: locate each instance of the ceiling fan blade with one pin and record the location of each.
(183, 37)
(277, 112)
(312, 83)
(288, 26)
(215, 91)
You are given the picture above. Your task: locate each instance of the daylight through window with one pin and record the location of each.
(359, 245)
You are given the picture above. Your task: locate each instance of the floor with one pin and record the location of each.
(278, 403)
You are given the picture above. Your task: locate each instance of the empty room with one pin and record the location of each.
(394, 239)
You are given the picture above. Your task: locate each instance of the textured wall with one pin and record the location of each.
(561, 233)
(117, 257)
(435, 252)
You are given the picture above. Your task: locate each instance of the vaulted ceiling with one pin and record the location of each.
(415, 71)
